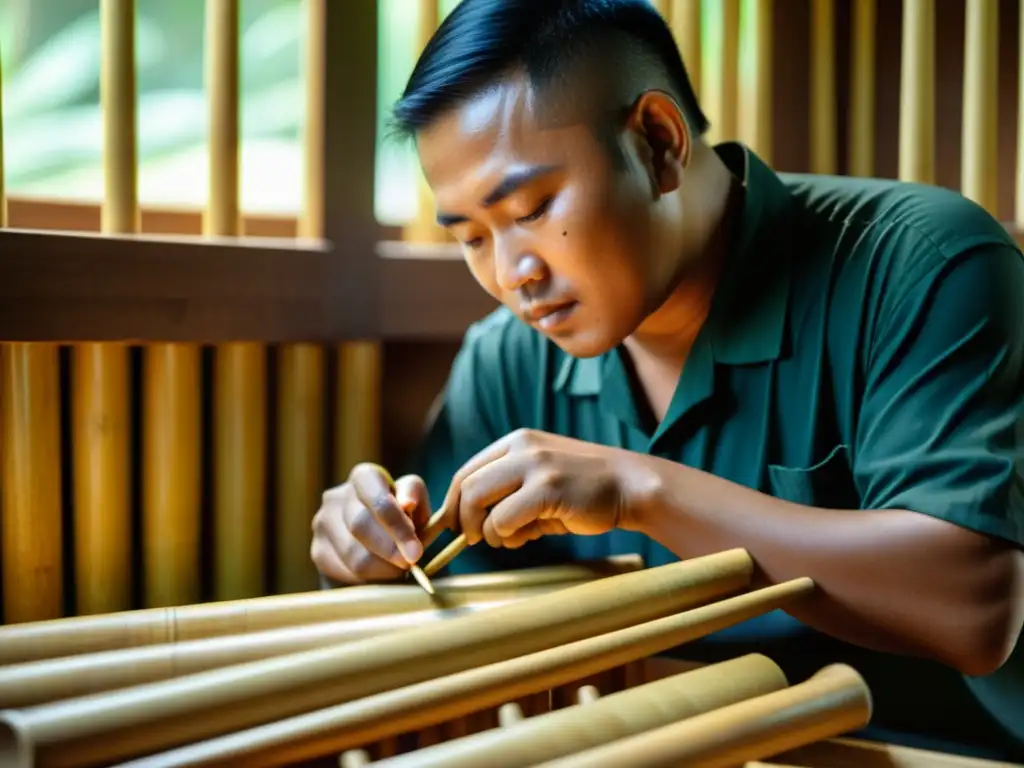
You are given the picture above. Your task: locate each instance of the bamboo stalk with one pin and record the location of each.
(823, 87)
(129, 629)
(600, 721)
(240, 379)
(684, 21)
(980, 143)
(422, 706)
(146, 718)
(39, 682)
(862, 88)
(917, 93)
(833, 701)
(301, 371)
(755, 79)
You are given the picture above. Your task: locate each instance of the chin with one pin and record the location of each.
(584, 345)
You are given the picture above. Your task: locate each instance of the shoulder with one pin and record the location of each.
(888, 239)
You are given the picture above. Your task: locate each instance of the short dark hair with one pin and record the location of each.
(482, 41)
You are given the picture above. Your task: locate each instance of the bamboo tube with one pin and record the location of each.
(171, 475)
(39, 682)
(620, 715)
(719, 77)
(862, 88)
(420, 706)
(355, 758)
(509, 714)
(823, 87)
(168, 713)
(684, 20)
(833, 701)
(31, 505)
(755, 79)
(980, 142)
(917, 93)
(128, 629)
(100, 372)
(1019, 187)
(424, 228)
(587, 694)
(848, 753)
(240, 419)
(301, 372)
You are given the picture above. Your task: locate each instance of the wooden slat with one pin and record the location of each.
(917, 93)
(99, 374)
(980, 137)
(862, 88)
(301, 368)
(823, 87)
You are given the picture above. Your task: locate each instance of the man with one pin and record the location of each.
(696, 353)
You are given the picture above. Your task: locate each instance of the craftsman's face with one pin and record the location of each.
(550, 223)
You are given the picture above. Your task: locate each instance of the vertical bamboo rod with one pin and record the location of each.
(862, 88)
(1019, 192)
(300, 412)
(3, 193)
(31, 557)
(917, 93)
(424, 227)
(240, 368)
(684, 19)
(980, 133)
(100, 402)
(357, 437)
(720, 80)
(31, 528)
(823, 87)
(663, 7)
(755, 89)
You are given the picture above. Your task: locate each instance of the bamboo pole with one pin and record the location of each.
(129, 629)
(720, 72)
(240, 379)
(100, 416)
(755, 78)
(600, 721)
(862, 88)
(422, 706)
(147, 718)
(684, 20)
(823, 87)
(40, 682)
(301, 393)
(980, 134)
(833, 701)
(31, 527)
(31, 557)
(917, 93)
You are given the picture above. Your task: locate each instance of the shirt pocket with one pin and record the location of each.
(828, 483)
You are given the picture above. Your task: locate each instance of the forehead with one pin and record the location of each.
(500, 129)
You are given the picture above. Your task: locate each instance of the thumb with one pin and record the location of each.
(414, 499)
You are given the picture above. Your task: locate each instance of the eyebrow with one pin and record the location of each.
(513, 181)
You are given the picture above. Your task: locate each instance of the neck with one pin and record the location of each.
(669, 332)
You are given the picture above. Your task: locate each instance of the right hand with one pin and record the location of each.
(366, 528)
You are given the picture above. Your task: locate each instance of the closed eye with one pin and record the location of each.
(539, 211)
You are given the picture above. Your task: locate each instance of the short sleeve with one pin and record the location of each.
(940, 424)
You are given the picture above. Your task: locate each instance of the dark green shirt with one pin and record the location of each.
(865, 351)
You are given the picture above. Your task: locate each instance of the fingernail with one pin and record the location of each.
(412, 551)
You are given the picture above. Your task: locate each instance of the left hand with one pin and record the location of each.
(531, 484)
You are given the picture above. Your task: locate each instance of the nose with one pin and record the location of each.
(515, 267)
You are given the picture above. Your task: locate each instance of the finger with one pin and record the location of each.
(488, 486)
(328, 563)
(491, 453)
(414, 499)
(374, 489)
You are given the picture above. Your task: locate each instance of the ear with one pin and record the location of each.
(663, 137)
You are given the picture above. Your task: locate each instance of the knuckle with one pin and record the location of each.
(523, 437)
(360, 560)
(539, 457)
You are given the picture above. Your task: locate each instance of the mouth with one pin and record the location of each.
(550, 316)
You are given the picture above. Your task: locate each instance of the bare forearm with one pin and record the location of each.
(895, 581)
